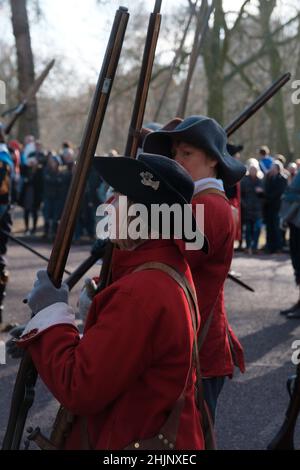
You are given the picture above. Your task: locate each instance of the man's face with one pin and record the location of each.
(195, 161)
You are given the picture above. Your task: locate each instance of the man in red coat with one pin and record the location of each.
(199, 144)
(127, 374)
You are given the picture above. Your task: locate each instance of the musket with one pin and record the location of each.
(284, 439)
(19, 110)
(239, 282)
(27, 247)
(139, 107)
(137, 118)
(23, 393)
(63, 419)
(258, 104)
(248, 112)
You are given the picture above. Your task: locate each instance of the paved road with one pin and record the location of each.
(252, 406)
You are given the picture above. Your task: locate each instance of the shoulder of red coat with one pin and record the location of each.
(211, 200)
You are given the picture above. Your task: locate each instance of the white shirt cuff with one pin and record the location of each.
(59, 313)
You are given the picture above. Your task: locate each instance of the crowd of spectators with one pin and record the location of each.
(262, 189)
(40, 185)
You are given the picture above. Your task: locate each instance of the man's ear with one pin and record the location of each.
(213, 162)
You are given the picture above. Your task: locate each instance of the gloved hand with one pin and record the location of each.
(44, 293)
(86, 297)
(11, 347)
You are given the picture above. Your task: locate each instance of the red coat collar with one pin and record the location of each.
(163, 251)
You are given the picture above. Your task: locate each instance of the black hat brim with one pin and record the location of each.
(161, 142)
(122, 173)
(234, 149)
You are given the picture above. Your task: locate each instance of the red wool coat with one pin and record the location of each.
(209, 275)
(236, 202)
(130, 367)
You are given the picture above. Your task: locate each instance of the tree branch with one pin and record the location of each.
(239, 17)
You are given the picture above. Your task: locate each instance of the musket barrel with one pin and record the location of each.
(157, 6)
(79, 272)
(27, 247)
(258, 103)
(138, 112)
(29, 95)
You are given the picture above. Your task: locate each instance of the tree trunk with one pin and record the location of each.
(28, 123)
(214, 61)
(278, 122)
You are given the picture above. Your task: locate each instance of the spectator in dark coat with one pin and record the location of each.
(275, 185)
(251, 192)
(67, 174)
(53, 181)
(39, 154)
(87, 216)
(32, 192)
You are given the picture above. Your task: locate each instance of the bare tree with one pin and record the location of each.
(278, 121)
(28, 123)
(202, 15)
(177, 62)
(215, 51)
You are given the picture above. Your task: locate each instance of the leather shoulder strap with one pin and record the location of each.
(170, 428)
(181, 281)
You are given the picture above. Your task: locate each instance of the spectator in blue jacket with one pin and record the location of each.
(265, 159)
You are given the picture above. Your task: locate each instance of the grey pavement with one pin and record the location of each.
(252, 406)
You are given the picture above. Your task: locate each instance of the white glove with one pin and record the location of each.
(86, 297)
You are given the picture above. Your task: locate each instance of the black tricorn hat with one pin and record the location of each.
(204, 133)
(149, 179)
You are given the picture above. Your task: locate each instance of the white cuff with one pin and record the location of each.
(59, 313)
